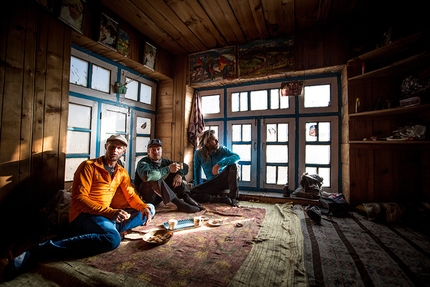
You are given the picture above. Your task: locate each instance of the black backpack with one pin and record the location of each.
(334, 206)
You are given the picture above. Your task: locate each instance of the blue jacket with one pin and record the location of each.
(223, 157)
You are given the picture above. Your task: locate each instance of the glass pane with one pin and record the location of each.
(282, 175)
(78, 142)
(271, 174)
(247, 132)
(116, 121)
(235, 102)
(145, 94)
(317, 96)
(274, 99)
(79, 72)
(138, 158)
(236, 133)
(324, 131)
(211, 104)
(246, 173)
(317, 154)
(143, 125)
(284, 102)
(311, 132)
(311, 170)
(71, 166)
(271, 134)
(131, 89)
(282, 132)
(259, 100)
(325, 174)
(244, 151)
(142, 144)
(101, 79)
(79, 116)
(244, 101)
(277, 153)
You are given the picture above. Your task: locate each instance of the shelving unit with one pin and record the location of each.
(387, 170)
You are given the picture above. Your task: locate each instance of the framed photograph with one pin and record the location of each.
(108, 34)
(72, 13)
(123, 43)
(149, 58)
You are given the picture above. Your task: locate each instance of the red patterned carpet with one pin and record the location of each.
(206, 254)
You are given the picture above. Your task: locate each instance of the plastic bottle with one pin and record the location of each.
(286, 191)
(357, 105)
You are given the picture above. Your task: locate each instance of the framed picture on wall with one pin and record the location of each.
(123, 43)
(149, 58)
(72, 13)
(108, 34)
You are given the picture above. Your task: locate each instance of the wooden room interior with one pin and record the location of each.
(331, 37)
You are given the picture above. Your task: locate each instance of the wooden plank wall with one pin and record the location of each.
(34, 80)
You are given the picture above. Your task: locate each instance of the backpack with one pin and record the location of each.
(334, 206)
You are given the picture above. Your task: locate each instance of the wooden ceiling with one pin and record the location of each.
(190, 26)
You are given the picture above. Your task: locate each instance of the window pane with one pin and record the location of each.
(211, 104)
(236, 133)
(277, 153)
(214, 128)
(284, 101)
(131, 89)
(71, 166)
(317, 96)
(271, 174)
(235, 102)
(116, 121)
(259, 100)
(274, 99)
(282, 132)
(311, 132)
(243, 101)
(247, 132)
(317, 154)
(79, 116)
(79, 72)
(143, 125)
(244, 151)
(142, 144)
(324, 131)
(101, 79)
(78, 142)
(271, 134)
(145, 94)
(325, 174)
(282, 175)
(245, 173)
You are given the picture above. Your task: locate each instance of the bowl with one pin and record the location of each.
(157, 237)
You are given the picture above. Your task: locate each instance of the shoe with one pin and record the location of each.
(17, 266)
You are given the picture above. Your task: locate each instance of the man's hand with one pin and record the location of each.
(215, 169)
(146, 212)
(174, 167)
(177, 180)
(121, 215)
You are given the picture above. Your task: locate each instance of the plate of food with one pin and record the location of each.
(214, 222)
(204, 218)
(158, 237)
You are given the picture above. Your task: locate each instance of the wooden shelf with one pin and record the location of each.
(398, 68)
(392, 142)
(393, 111)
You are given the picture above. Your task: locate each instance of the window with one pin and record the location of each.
(100, 79)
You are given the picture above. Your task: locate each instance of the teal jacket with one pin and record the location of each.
(147, 170)
(223, 157)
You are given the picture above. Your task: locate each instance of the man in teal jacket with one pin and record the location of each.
(220, 167)
(159, 179)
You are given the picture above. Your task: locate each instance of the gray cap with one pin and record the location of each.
(118, 137)
(154, 142)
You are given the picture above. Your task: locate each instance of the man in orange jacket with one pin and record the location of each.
(93, 218)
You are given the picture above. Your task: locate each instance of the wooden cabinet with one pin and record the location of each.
(384, 170)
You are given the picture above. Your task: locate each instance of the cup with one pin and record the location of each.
(198, 221)
(172, 224)
(181, 165)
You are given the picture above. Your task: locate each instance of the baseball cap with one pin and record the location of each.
(154, 142)
(118, 137)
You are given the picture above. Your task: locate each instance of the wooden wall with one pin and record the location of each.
(34, 80)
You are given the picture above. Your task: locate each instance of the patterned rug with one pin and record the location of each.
(354, 251)
(194, 255)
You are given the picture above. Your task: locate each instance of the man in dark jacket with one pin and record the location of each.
(159, 179)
